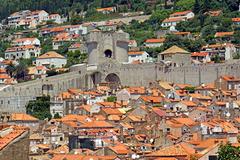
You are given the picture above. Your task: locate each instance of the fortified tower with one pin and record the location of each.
(103, 45)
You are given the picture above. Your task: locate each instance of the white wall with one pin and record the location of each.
(141, 57)
(56, 62)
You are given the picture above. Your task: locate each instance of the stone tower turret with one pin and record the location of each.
(102, 45)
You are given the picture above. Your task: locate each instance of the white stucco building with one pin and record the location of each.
(140, 56)
(26, 41)
(153, 43)
(26, 52)
(51, 59)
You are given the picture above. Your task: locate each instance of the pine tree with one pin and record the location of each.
(197, 7)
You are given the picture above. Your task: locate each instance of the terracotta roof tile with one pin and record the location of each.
(159, 40)
(22, 117)
(182, 13)
(51, 54)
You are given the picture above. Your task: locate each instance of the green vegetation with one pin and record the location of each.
(228, 152)
(40, 108)
(3, 46)
(19, 71)
(111, 99)
(190, 89)
(56, 116)
(46, 44)
(75, 57)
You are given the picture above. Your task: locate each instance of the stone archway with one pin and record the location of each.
(113, 78)
(108, 53)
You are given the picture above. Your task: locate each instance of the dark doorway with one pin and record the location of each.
(113, 78)
(108, 53)
(96, 78)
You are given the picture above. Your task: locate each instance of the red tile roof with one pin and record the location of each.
(159, 40)
(236, 19)
(182, 13)
(199, 54)
(173, 19)
(14, 132)
(223, 34)
(159, 112)
(51, 54)
(135, 52)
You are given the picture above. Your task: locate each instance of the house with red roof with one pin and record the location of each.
(186, 14)
(154, 42)
(224, 36)
(56, 18)
(52, 60)
(227, 82)
(141, 56)
(200, 57)
(61, 38)
(26, 41)
(176, 18)
(225, 51)
(236, 21)
(25, 52)
(37, 72)
(107, 10)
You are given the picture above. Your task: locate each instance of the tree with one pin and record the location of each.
(185, 4)
(20, 71)
(39, 108)
(111, 99)
(196, 7)
(236, 36)
(56, 116)
(216, 59)
(51, 73)
(75, 57)
(233, 5)
(190, 89)
(46, 44)
(228, 152)
(10, 69)
(158, 16)
(76, 20)
(64, 48)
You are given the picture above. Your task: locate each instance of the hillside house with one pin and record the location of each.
(140, 56)
(227, 82)
(153, 43)
(26, 41)
(62, 38)
(25, 52)
(176, 18)
(51, 60)
(107, 10)
(200, 57)
(225, 51)
(236, 21)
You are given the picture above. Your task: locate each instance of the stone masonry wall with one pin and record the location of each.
(14, 98)
(17, 149)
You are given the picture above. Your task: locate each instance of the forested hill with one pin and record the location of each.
(59, 6)
(66, 7)
(63, 6)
